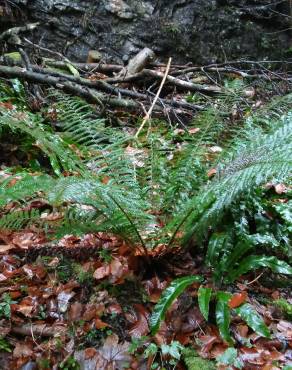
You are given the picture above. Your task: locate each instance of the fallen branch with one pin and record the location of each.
(87, 89)
(41, 330)
(86, 67)
(11, 35)
(138, 62)
(268, 75)
(88, 94)
(186, 85)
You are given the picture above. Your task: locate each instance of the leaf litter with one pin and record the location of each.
(52, 309)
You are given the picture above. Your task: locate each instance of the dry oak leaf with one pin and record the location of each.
(75, 311)
(22, 350)
(115, 270)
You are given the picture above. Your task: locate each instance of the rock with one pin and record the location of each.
(94, 56)
(201, 31)
(119, 8)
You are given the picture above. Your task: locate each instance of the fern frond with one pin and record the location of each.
(51, 144)
(257, 162)
(110, 208)
(19, 219)
(107, 146)
(25, 186)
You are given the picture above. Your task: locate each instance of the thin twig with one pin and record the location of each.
(47, 50)
(148, 115)
(256, 279)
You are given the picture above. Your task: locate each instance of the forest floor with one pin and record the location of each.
(57, 309)
(85, 302)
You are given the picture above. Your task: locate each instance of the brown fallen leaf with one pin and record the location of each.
(89, 313)
(22, 350)
(24, 309)
(117, 354)
(237, 299)
(139, 321)
(99, 324)
(5, 248)
(275, 295)
(207, 342)
(89, 353)
(75, 311)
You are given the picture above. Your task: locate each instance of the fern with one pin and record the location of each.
(19, 219)
(26, 186)
(129, 188)
(115, 211)
(257, 162)
(106, 146)
(59, 153)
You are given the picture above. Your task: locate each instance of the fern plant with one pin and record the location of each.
(61, 156)
(151, 192)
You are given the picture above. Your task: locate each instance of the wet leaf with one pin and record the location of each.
(253, 320)
(63, 300)
(168, 296)
(254, 262)
(237, 299)
(223, 316)
(139, 325)
(204, 296)
(116, 354)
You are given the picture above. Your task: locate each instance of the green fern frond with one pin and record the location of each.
(113, 209)
(52, 145)
(106, 145)
(266, 157)
(17, 220)
(26, 186)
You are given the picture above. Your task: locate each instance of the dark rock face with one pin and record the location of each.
(201, 31)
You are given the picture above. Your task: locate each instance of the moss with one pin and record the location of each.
(284, 306)
(194, 362)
